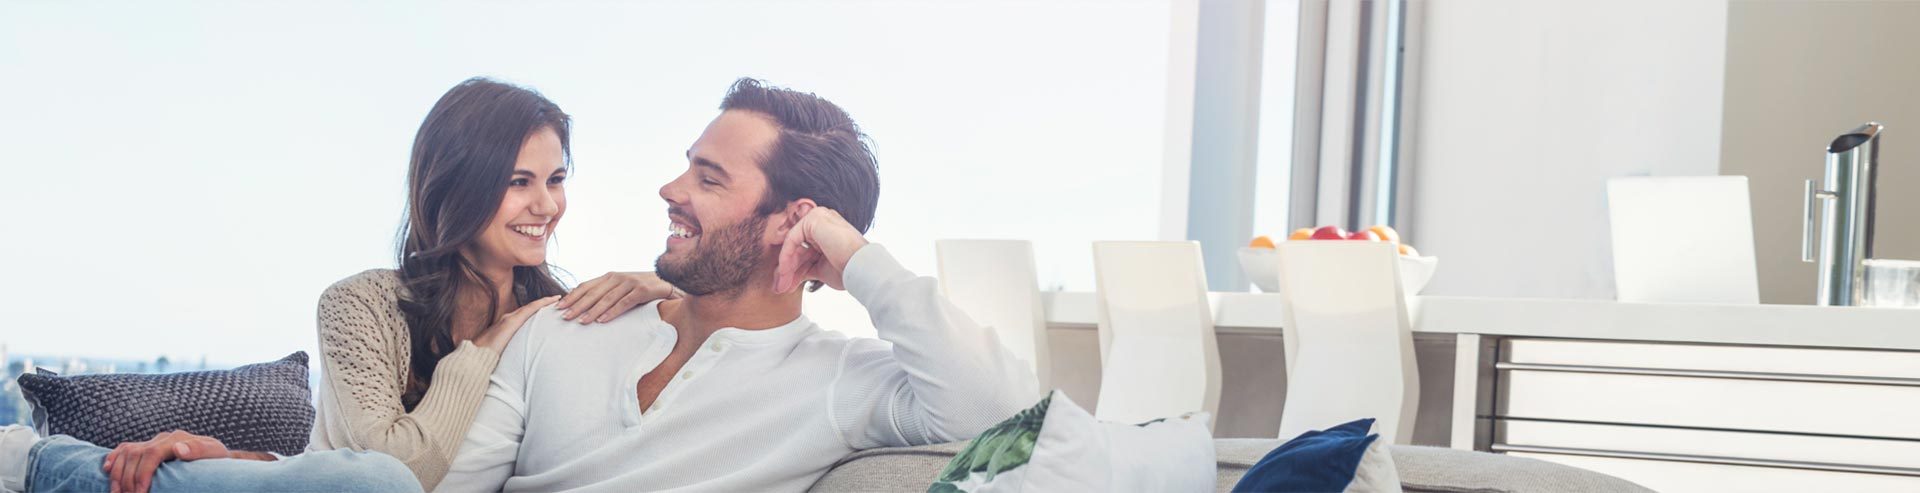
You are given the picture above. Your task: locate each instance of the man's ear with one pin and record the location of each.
(788, 218)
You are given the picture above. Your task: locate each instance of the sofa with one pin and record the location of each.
(1421, 469)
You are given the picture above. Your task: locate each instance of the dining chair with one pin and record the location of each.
(995, 283)
(1157, 351)
(1348, 337)
(1682, 239)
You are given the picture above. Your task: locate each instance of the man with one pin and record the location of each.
(730, 388)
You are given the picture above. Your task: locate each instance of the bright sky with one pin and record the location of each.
(186, 179)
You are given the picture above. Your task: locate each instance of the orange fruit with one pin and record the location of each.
(1261, 241)
(1386, 233)
(1300, 234)
(1409, 251)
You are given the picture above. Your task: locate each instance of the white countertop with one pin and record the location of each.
(1769, 325)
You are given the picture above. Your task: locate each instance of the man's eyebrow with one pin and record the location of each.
(709, 164)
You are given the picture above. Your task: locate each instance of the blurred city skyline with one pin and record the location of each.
(14, 408)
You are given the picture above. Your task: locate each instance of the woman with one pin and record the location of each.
(407, 352)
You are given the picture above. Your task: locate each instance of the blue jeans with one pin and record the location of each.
(62, 463)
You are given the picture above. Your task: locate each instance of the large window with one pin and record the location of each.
(187, 179)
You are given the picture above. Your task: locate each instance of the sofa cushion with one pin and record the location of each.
(263, 407)
(1422, 469)
(1445, 470)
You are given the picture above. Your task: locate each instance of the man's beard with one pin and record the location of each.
(721, 261)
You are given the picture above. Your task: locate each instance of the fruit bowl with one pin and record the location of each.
(1262, 266)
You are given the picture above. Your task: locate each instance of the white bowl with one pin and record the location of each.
(1262, 266)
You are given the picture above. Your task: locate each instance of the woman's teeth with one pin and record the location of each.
(679, 231)
(534, 231)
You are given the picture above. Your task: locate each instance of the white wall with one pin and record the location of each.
(1798, 74)
(1528, 106)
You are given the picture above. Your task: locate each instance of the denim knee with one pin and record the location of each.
(347, 471)
(62, 463)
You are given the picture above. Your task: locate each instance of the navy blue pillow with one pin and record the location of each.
(1313, 461)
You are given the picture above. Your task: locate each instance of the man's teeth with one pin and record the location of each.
(534, 231)
(679, 231)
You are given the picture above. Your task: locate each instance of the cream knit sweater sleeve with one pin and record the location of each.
(365, 353)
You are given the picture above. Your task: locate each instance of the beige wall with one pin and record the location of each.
(1798, 74)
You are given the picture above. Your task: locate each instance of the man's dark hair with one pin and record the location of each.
(821, 153)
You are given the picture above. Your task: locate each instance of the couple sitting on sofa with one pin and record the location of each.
(721, 385)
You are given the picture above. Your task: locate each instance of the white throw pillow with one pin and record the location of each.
(1376, 473)
(1057, 446)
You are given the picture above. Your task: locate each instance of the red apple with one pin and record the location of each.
(1364, 235)
(1329, 233)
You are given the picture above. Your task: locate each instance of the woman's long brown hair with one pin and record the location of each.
(463, 158)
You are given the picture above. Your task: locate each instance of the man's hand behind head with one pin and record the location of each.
(819, 243)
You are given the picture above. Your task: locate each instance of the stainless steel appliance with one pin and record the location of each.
(1845, 204)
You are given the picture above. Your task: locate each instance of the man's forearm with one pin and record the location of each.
(952, 364)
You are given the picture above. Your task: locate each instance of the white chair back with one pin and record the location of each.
(995, 283)
(1683, 239)
(1349, 341)
(1157, 351)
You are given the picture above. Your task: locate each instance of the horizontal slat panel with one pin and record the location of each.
(1798, 407)
(1680, 477)
(1904, 454)
(1741, 375)
(1840, 362)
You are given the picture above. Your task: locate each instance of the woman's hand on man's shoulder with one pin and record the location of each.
(607, 297)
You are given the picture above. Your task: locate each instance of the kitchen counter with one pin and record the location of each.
(1679, 395)
(1761, 325)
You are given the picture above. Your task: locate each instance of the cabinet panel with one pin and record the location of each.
(1831, 362)
(1681, 477)
(1897, 456)
(1760, 405)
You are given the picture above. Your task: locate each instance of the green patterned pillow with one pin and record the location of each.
(1004, 447)
(1056, 446)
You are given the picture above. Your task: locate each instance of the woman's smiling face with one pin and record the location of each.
(536, 198)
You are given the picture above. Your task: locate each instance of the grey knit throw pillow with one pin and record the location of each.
(263, 407)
